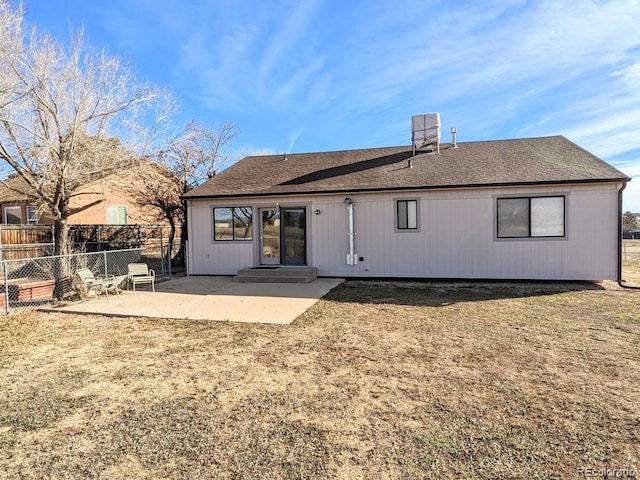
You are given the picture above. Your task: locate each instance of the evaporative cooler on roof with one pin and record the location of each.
(425, 131)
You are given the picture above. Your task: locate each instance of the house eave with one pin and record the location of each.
(623, 180)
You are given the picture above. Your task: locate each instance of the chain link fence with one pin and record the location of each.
(33, 282)
(34, 241)
(164, 260)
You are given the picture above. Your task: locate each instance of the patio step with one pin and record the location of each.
(277, 275)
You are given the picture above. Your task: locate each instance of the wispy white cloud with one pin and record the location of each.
(353, 72)
(298, 85)
(293, 22)
(293, 138)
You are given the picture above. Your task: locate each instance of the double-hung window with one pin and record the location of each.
(232, 223)
(407, 215)
(32, 214)
(531, 217)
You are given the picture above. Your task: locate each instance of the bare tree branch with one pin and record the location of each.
(68, 115)
(188, 159)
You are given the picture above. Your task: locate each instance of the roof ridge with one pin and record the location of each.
(346, 150)
(393, 147)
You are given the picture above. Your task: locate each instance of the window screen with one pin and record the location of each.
(547, 217)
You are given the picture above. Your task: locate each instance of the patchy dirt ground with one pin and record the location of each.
(377, 380)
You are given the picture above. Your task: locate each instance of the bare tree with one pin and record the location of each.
(198, 153)
(61, 109)
(629, 222)
(187, 160)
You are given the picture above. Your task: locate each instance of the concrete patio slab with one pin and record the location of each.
(211, 298)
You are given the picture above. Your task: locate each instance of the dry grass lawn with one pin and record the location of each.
(377, 380)
(631, 262)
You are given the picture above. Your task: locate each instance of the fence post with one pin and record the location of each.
(1, 254)
(6, 287)
(186, 257)
(106, 270)
(169, 260)
(162, 250)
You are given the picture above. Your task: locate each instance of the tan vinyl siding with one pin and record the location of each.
(457, 237)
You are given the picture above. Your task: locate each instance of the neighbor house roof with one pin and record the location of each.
(500, 162)
(15, 189)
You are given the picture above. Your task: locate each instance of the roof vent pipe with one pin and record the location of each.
(409, 164)
(453, 137)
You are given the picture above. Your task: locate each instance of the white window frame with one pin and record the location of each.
(32, 219)
(12, 207)
(117, 207)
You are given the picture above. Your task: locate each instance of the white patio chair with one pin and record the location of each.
(102, 284)
(140, 273)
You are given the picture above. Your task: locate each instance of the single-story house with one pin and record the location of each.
(530, 208)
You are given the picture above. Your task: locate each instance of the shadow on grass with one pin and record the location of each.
(435, 294)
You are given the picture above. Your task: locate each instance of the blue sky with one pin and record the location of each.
(313, 75)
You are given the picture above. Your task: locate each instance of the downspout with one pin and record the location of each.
(620, 239)
(186, 225)
(351, 242)
(352, 258)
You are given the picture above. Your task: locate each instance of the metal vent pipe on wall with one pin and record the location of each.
(352, 258)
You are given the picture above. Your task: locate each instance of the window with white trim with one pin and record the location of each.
(117, 215)
(13, 215)
(232, 223)
(531, 217)
(406, 214)
(32, 215)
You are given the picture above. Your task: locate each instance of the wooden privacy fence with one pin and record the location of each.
(25, 241)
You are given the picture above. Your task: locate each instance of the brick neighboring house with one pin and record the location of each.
(113, 203)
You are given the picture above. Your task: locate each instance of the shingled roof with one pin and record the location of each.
(527, 161)
(15, 189)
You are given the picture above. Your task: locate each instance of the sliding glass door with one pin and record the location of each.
(294, 236)
(269, 236)
(283, 236)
